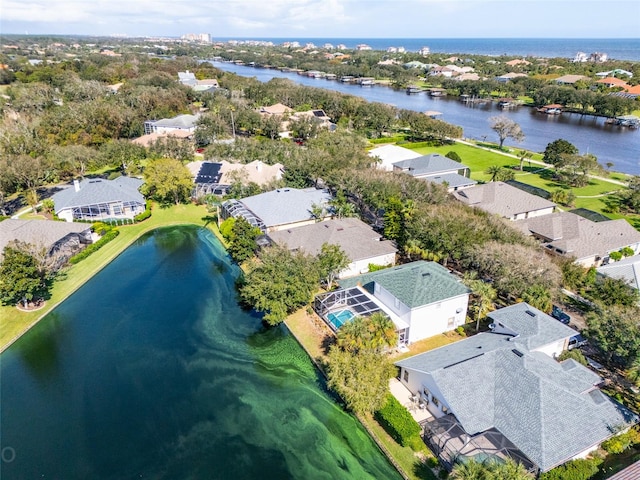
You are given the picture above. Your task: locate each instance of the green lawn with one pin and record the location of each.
(479, 160)
(15, 323)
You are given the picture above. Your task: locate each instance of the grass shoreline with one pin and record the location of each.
(16, 323)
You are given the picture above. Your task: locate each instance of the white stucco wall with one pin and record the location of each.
(362, 266)
(428, 320)
(553, 349)
(417, 382)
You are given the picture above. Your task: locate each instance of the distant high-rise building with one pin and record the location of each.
(197, 37)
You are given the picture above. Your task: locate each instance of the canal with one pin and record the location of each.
(151, 370)
(610, 143)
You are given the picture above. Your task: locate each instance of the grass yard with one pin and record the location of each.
(479, 160)
(15, 322)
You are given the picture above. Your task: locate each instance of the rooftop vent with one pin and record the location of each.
(518, 352)
(530, 313)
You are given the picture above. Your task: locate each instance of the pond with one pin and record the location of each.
(151, 370)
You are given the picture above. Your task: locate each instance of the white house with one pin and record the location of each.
(185, 123)
(502, 394)
(422, 299)
(278, 209)
(390, 154)
(355, 238)
(99, 199)
(437, 169)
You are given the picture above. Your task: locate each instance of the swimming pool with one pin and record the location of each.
(337, 319)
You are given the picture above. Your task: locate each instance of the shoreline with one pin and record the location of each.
(118, 248)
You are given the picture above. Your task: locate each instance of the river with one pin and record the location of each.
(151, 370)
(611, 144)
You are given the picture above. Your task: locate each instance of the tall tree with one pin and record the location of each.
(331, 261)
(167, 181)
(506, 128)
(554, 151)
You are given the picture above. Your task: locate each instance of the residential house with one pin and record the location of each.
(189, 79)
(184, 122)
(517, 62)
(507, 77)
(276, 109)
(390, 154)
(438, 169)
(502, 199)
(501, 394)
(627, 269)
(149, 139)
(570, 235)
(613, 73)
(279, 209)
(217, 177)
(61, 240)
(422, 299)
(474, 77)
(612, 82)
(99, 199)
(361, 243)
(570, 79)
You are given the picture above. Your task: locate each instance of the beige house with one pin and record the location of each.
(571, 235)
(502, 199)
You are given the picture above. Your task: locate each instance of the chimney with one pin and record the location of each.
(76, 185)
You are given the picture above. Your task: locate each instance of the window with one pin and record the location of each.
(405, 375)
(435, 401)
(445, 409)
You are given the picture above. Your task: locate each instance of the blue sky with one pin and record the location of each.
(327, 18)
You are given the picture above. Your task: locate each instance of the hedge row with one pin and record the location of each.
(144, 215)
(574, 470)
(107, 237)
(399, 423)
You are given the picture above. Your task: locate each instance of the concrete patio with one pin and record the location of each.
(410, 401)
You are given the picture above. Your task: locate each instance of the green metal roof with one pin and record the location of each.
(414, 284)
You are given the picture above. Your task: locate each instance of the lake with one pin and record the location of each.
(151, 370)
(618, 145)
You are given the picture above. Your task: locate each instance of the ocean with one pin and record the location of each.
(615, 48)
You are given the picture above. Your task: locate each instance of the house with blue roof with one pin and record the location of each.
(422, 299)
(95, 199)
(438, 169)
(502, 394)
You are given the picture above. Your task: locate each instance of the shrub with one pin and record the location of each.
(106, 238)
(460, 331)
(144, 215)
(574, 470)
(399, 423)
(574, 354)
(622, 442)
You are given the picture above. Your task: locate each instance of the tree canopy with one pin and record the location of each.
(167, 181)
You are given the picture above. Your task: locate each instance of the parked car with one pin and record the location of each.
(576, 341)
(558, 314)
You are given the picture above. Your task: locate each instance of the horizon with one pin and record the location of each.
(472, 19)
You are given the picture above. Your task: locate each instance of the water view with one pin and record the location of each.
(151, 370)
(618, 145)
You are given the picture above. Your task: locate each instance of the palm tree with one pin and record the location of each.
(510, 470)
(382, 332)
(470, 470)
(414, 247)
(633, 374)
(351, 336)
(494, 171)
(482, 297)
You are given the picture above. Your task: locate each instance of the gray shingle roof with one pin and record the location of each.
(453, 180)
(37, 232)
(180, 121)
(414, 284)
(428, 165)
(357, 239)
(286, 205)
(502, 199)
(549, 410)
(535, 330)
(627, 269)
(580, 237)
(94, 191)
